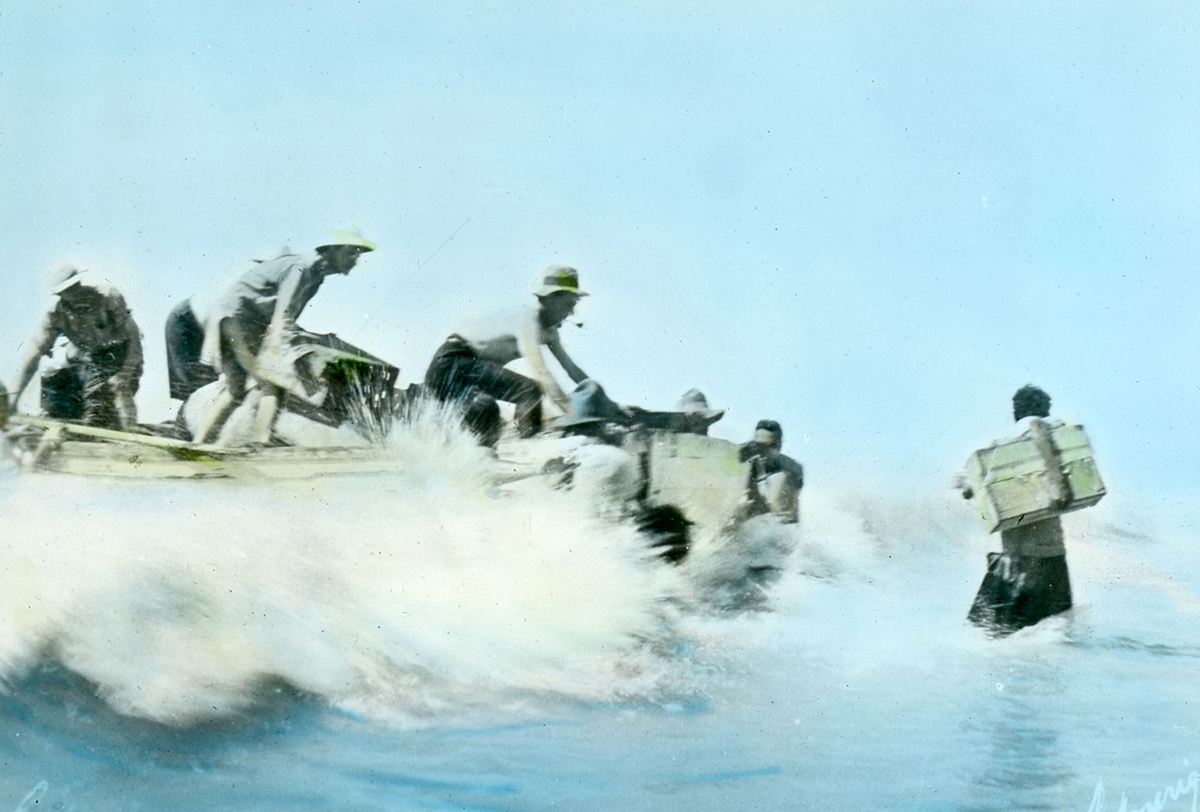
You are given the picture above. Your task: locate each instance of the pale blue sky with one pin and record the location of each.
(869, 221)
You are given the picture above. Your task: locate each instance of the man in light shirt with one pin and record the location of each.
(248, 334)
(469, 367)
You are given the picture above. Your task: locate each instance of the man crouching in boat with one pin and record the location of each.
(103, 351)
(469, 367)
(249, 330)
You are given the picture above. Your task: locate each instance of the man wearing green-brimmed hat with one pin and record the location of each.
(251, 326)
(470, 364)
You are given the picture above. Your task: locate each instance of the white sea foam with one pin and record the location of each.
(430, 593)
(407, 592)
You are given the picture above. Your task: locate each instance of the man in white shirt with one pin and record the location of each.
(469, 367)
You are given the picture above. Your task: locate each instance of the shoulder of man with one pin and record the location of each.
(274, 266)
(792, 468)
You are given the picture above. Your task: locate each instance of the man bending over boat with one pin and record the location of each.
(103, 354)
(249, 331)
(469, 367)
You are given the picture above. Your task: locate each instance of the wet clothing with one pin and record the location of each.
(88, 390)
(1018, 591)
(103, 358)
(242, 314)
(1028, 580)
(185, 342)
(763, 467)
(457, 374)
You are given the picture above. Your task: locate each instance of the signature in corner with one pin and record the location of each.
(31, 796)
(1173, 792)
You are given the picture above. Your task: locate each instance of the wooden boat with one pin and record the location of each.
(69, 447)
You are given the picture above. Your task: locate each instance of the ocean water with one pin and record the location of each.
(425, 641)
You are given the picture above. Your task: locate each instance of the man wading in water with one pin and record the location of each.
(1028, 580)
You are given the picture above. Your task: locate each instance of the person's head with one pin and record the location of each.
(67, 280)
(769, 433)
(557, 290)
(555, 308)
(340, 256)
(1030, 401)
(694, 405)
(76, 290)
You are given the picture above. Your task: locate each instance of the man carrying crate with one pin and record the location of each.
(1021, 486)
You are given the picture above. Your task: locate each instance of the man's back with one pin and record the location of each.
(94, 319)
(254, 296)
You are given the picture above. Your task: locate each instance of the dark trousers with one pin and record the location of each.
(1020, 590)
(457, 375)
(185, 338)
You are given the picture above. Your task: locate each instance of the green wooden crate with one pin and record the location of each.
(1012, 485)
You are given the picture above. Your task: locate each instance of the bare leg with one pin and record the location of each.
(212, 422)
(234, 357)
(268, 408)
(125, 407)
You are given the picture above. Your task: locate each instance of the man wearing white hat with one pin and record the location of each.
(103, 352)
(470, 364)
(249, 330)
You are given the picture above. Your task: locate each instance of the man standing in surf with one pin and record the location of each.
(1028, 581)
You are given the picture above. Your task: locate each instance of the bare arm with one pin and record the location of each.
(272, 361)
(286, 308)
(556, 349)
(531, 347)
(41, 345)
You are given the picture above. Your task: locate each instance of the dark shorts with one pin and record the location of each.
(185, 337)
(457, 375)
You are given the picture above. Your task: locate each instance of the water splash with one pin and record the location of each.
(410, 593)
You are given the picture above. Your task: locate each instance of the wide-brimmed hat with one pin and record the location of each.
(694, 402)
(591, 409)
(351, 238)
(67, 277)
(555, 278)
(589, 402)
